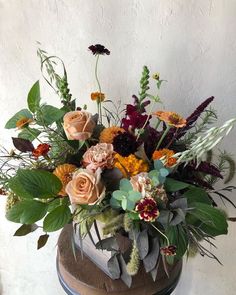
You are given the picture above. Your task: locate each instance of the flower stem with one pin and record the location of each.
(160, 232)
(99, 88)
(162, 137)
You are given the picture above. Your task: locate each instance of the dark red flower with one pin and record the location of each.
(147, 209)
(168, 250)
(125, 144)
(99, 49)
(41, 150)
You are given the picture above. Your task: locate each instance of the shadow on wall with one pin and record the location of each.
(1, 289)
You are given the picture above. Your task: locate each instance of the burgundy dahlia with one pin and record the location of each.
(168, 250)
(125, 144)
(147, 209)
(99, 49)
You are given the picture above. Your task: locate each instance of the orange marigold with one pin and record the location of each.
(64, 173)
(167, 154)
(108, 134)
(171, 118)
(131, 165)
(98, 96)
(23, 122)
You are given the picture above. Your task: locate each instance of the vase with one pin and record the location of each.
(88, 275)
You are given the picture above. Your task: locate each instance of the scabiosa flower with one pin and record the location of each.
(125, 144)
(99, 49)
(147, 209)
(168, 250)
(41, 150)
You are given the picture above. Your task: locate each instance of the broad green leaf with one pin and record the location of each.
(125, 185)
(48, 115)
(27, 212)
(172, 185)
(35, 184)
(25, 229)
(178, 237)
(57, 218)
(212, 220)
(29, 133)
(57, 202)
(197, 194)
(19, 115)
(34, 97)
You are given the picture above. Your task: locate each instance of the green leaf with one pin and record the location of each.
(133, 215)
(57, 202)
(29, 133)
(57, 218)
(158, 164)
(119, 195)
(178, 237)
(197, 194)
(125, 185)
(114, 267)
(34, 97)
(143, 244)
(42, 241)
(109, 244)
(172, 185)
(35, 184)
(25, 229)
(124, 204)
(19, 115)
(212, 220)
(49, 114)
(27, 212)
(134, 196)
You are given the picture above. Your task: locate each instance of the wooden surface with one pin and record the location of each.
(87, 279)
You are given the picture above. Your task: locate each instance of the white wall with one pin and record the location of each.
(191, 43)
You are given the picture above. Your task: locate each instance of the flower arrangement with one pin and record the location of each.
(143, 173)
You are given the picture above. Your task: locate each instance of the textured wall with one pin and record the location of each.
(191, 43)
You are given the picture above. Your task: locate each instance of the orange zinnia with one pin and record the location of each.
(167, 154)
(23, 122)
(64, 173)
(108, 134)
(41, 150)
(98, 96)
(171, 118)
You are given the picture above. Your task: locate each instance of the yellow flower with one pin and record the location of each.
(64, 173)
(167, 154)
(98, 96)
(23, 122)
(131, 165)
(108, 134)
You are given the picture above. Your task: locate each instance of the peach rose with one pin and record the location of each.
(141, 183)
(100, 155)
(78, 125)
(85, 187)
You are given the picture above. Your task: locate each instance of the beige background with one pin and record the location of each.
(191, 43)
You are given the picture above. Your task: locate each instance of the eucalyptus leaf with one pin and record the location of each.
(150, 260)
(126, 278)
(109, 244)
(125, 185)
(114, 267)
(143, 244)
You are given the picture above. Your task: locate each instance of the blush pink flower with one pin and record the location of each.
(85, 187)
(99, 156)
(78, 125)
